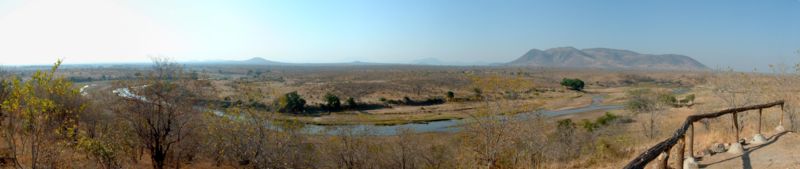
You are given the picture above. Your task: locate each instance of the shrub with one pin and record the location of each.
(291, 103)
(450, 95)
(573, 84)
(667, 99)
(407, 100)
(588, 125)
(332, 103)
(478, 93)
(351, 103)
(606, 119)
(566, 124)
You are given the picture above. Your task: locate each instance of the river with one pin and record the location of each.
(452, 125)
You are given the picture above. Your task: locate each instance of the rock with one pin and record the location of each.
(690, 163)
(759, 139)
(736, 148)
(705, 153)
(780, 129)
(717, 148)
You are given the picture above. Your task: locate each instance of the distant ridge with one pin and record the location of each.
(258, 61)
(605, 58)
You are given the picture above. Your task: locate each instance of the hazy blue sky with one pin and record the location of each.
(742, 34)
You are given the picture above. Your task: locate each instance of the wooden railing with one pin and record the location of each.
(680, 135)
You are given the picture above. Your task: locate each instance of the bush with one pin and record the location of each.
(332, 103)
(450, 95)
(407, 100)
(291, 103)
(478, 93)
(351, 103)
(573, 84)
(667, 99)
(601, 121)
(688, 100)
(606, 119)
(566, 124)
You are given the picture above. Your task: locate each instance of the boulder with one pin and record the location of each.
(704, 153)
(690, 163)
(780, 129)
(759, 139)
(736, 148)
(717, 148)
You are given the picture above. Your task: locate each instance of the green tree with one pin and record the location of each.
(573, 84)
(450, 95)
(40, 114)
(291, 103)
(332, 102)
(351, 103)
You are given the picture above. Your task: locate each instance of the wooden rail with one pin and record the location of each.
(664, 147)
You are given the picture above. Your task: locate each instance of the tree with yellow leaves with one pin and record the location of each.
(39, 117)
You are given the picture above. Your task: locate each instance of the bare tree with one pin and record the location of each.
(160, 108)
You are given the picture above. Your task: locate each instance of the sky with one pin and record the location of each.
(743, 34)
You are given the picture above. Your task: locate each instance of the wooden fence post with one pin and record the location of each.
(691, 140)
(782, 112)
(681, 144)
(759, 121)
(663, 160)
(736, 127)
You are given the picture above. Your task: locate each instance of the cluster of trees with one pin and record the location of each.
(408, 101)
(293, 103)
(333, 104)
(573, 84)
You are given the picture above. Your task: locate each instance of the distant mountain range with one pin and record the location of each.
(437, 62)
(605, 58)
(566, 57)
(264, 62)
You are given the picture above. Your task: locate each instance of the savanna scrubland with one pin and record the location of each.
(168, 115)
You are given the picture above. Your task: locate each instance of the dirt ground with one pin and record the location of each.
(781, 151)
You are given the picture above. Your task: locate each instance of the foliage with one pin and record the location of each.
(640, 100)
(573, 84)
(601, 121)
(667, 99)
(688, 100)
(291, 103)
(450, 95)
(412, 102)
(102, 151)
(647, 101)
(40, 114)
(565, 124)
(332, 102)
(478, 92)
(351, 103)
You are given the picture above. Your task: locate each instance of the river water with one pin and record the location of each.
(452, 125)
